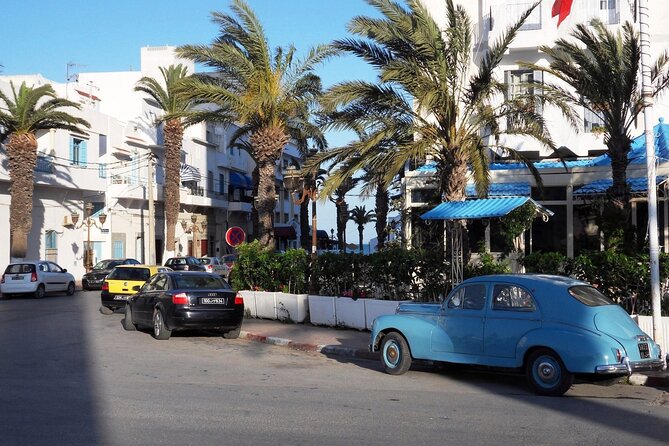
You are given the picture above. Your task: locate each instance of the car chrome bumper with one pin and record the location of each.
(627, 367)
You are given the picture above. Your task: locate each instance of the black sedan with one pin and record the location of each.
(94, 279)
(179, 300)
(185, 263)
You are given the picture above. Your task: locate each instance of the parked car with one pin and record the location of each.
(120, 283)
(93, 279)
(229, 260)
(185, 300)
(551, 327)
(185, 263)
(215, 265)
(36, 277)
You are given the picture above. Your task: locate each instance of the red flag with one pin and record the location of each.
(561, 8)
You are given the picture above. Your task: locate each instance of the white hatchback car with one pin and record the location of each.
(36, 277)
(215, 265)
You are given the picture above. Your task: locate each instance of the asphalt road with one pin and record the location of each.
(71, 376)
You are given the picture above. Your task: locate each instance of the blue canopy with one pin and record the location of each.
(481, 208)
(240, 180)
(638, 185)
(503, 190)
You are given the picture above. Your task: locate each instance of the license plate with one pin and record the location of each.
(214, 300)
(121, 297)
(17, 277)
(644, 351)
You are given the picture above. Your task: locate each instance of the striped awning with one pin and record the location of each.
(503, 190)
(481, 208)
(638, 185)
(189, 173)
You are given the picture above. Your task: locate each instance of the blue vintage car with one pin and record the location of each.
(551, 327)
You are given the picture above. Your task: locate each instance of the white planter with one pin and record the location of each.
(322, 310)
(249, 302)
(350, 313)
(266, 305)
(646, 324)
(293, 307)
(375, 308)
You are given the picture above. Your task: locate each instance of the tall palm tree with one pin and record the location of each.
(179, 113)
(429, 90)
(602, 68)
(270, 94)
(338, 197)
(361, 217)
(27, 112)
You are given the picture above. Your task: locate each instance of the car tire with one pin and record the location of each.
(106, 310)
(395, 354)
(160, 330)
(546, 373)
(39, 292)
(127, 320)
(232, 334)
(71, 288)
(84, 286)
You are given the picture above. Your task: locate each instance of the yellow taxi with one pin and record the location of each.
(121, 283)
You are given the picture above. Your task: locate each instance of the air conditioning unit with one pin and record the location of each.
(67, 221)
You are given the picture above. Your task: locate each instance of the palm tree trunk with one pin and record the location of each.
(22, 154)
(381, 211)
(360, 230)
(618, 148)
(305, 241)
(171, 191)
(342, 218)
(453, 181)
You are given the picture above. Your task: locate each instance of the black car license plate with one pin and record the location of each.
(214, 300)
(643, 350)
(121, 297)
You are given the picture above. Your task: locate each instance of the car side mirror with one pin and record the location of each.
(64, 270)
(136, 288)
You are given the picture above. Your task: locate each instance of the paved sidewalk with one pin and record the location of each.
(354, 343)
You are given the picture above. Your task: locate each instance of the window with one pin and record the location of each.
(102, 149)
(221, 184)
(515, 8)
(520, 88)
(78, 152)
(210, 181)
(468, 297)
(591, 121)
(425, 196)
(511, 297)
(589, 296)
(118, 251)
(50, 240)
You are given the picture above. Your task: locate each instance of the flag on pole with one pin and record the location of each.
(561, 8)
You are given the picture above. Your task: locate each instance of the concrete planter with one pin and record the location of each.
(350, 313)
(266, 305)
(646, 324)
(375, 308)
(292, 307)
(249, 302)
(322, 310)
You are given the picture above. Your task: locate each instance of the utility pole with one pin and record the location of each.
(152, 213)
(647, 93)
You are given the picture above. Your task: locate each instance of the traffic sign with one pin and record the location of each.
(235, 236)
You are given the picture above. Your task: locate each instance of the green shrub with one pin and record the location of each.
(545, 263)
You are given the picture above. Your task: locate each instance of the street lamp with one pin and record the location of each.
(88, 222)
(194, 228)
(293, 181)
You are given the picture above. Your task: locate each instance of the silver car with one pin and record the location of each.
(36, 277)
(215, 265)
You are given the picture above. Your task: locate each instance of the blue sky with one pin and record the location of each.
(42, 36)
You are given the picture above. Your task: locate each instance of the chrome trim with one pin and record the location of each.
(627, 367)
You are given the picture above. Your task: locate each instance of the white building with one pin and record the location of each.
(109, 166)
(569, 230)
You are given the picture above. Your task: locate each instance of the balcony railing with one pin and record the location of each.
(44, 164)
(515, 9)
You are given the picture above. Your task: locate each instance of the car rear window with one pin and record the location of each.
(589, 296)
(207, 282)
(20, 268)
(134, 274)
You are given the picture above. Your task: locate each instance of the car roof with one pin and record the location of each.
(153, 268)
(529, 279)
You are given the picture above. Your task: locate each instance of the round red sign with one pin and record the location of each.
(235, 236)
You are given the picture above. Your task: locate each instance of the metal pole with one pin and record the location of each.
(88, 240)
(314, 230)
(647, 93)
(152, 215)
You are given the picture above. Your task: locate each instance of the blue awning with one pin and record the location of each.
(503, 190)
(638, 185)
(240, 180)
(477, 209)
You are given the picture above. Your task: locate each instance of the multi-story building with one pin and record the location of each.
(118, 166)
(566, 192)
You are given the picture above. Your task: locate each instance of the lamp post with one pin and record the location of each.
(194, 228)
(88, 222)
(293, 181)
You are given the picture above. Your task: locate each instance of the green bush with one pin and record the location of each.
(545, 263)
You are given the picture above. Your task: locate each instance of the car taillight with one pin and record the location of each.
(239, 300)
(180, 299)
(3, 279)
(33, 277)
(105, 286)
(210, 268)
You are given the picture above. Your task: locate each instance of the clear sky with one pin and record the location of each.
(43, 36)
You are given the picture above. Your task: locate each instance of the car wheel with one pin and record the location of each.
(84, 285)
(106, 310)
(39, 292)
(546, 374)
(232, 334)
(395, 354)
(160, 331)
(127, 320)
(70, 288)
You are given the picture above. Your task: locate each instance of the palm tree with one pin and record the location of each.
(269, 94)
(427, 98)
(602, 68)
(179, 113)
(338, 197)
(361, 217)
(29, 111)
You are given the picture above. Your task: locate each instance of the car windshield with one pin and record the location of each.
(133, 274)
(196, 282)
(589, 296)
(106, 264)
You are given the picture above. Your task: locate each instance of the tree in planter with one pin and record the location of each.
(257, 268)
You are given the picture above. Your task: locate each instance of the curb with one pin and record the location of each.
(306, 347)
(639, 379)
